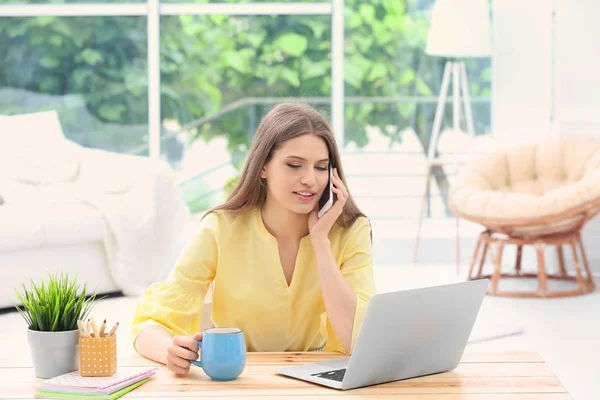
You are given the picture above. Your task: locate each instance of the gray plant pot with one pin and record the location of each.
(54, 353)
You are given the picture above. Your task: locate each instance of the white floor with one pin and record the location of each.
(566, 332)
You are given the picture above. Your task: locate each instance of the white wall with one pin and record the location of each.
(546, 76)
(578, 85)
(521, 69)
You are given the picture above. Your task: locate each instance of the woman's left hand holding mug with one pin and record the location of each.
(181, 352)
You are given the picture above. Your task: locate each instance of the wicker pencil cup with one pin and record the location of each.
(98, 356)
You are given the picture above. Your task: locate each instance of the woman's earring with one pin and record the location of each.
(263, 182)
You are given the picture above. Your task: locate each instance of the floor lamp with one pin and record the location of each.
(459, 29)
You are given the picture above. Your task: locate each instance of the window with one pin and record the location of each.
(92, 70)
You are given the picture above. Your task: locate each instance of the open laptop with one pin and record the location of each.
(404, 334)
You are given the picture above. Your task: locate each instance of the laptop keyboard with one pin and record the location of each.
(334, 375)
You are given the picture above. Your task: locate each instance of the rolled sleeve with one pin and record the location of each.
(176, 303)
(357, 269)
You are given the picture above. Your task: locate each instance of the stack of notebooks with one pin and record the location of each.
(75, 386)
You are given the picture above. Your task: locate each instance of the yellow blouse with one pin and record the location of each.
(250, 290)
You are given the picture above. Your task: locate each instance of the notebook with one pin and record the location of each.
(74, 380)
(93, 390)
(74, 384)
(113, 396)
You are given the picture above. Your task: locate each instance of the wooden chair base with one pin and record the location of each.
(585, 284)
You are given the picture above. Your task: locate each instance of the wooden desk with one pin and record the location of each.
(482, 376)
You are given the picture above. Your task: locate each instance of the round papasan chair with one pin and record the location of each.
(540, 195)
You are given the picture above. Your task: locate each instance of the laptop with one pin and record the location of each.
(405, 334)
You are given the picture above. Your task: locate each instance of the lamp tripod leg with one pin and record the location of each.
(431, 150)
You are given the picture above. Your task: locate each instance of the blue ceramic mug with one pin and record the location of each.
(223, 355)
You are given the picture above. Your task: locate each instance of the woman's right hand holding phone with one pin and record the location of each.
(181, 352)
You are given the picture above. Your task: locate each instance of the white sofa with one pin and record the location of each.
(115, 221)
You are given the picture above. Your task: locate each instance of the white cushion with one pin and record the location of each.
(530, 181)
(34, 149)
(39, 127)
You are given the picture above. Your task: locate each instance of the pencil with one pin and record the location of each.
(113, 330)
(95, 327)
(88, 328)
(82, 328)
(102, 328)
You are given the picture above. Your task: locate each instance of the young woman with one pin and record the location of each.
(292, 281)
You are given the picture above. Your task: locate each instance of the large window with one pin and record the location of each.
(188, 81)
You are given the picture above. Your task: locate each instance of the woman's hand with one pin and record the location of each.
(319, 227)
(182, 350)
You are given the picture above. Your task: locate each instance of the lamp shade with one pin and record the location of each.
(459, 28)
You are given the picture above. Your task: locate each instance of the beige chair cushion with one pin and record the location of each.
(546, 179)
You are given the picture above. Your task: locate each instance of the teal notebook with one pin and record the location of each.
(115, 395)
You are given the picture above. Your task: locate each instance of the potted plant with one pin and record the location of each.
(51, 310)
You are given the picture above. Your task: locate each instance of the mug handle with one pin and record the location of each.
(196, 362)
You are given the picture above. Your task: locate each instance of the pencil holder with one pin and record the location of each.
(97, 356)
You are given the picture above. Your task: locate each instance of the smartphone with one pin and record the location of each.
(326, 200)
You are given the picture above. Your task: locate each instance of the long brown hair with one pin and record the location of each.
(285, 121)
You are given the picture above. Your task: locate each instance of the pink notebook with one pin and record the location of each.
(77, 384)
